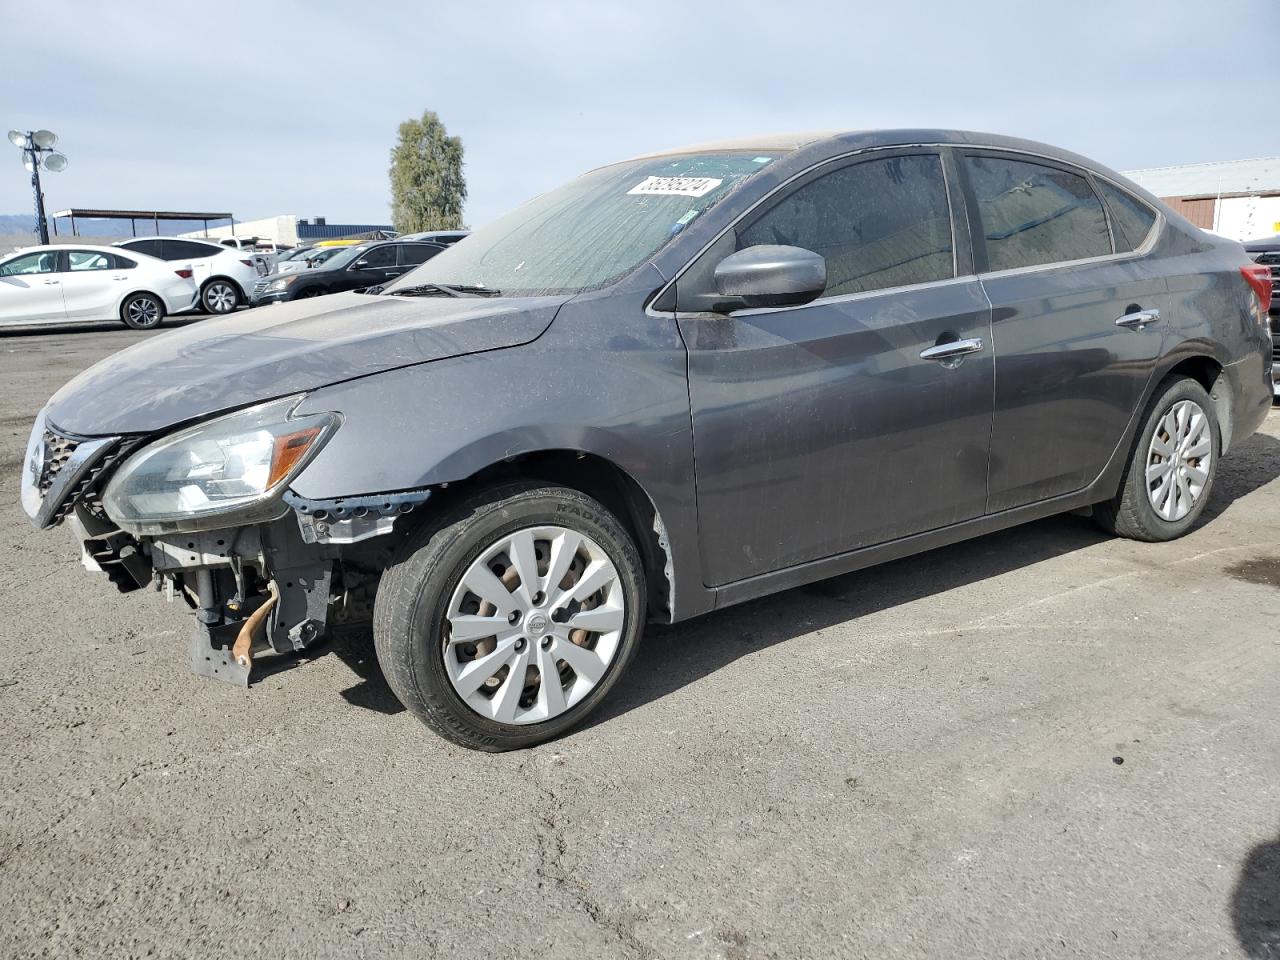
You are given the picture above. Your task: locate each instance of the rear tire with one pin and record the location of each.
(1172, 467)
(220, 297)
(142, 311)
(540, 671)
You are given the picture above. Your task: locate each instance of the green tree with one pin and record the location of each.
(427, 186)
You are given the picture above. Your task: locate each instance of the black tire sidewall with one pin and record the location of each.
(1156, 527)
(439, 564)
(124, 311)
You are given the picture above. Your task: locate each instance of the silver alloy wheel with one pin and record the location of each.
(533, 625)
(1179, 460)
(220, 297)
(144, 311)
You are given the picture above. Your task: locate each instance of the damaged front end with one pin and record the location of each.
(205, 514)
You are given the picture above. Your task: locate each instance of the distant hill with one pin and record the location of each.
(25, 224)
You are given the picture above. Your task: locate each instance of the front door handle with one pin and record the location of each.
(952, 350)
(1139, 318)
(52, 283)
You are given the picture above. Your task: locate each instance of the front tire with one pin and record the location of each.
(220, 297)
(142, 311)
(1171, 471)
(508, 620)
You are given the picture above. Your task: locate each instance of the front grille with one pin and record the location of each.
(57, 451)
(260, 287)
(63, 453)
(89, 487)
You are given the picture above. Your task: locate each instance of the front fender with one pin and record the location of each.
(614, 387)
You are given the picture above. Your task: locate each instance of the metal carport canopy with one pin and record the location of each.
(155, 216)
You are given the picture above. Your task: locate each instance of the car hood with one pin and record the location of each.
(256, 355)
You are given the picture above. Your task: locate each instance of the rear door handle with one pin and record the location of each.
(1139, 318)
(952, 350)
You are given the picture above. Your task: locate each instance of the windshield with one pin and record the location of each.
(591, 230)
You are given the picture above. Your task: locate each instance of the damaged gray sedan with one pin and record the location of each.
(674, 384)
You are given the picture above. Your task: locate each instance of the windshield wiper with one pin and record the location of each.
(451, 290)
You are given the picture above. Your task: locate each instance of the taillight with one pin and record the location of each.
(1258, 276)
(247, 263)
(185, 274)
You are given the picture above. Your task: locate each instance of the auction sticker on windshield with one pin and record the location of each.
(676, 186)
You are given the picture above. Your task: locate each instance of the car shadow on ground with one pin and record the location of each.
(672, 657)
(1255, 903)
(105, 326)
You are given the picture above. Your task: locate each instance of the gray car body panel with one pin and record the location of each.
(229, 362)
(434, 390)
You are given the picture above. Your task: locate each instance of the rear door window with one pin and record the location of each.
(1032, 214)
(150, 247)
(879, 223)
(1131, 219)
(416, 253)
(188, 250)
(79, 261)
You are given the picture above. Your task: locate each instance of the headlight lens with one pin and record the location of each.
(228, 470)
(275, 286)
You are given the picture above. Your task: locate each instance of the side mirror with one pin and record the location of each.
(360, 265)
(770, 275)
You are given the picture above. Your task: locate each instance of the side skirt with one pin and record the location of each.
(814, 570)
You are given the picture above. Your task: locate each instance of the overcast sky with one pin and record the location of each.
(266, 108)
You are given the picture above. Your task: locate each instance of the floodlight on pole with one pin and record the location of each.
(37, 151)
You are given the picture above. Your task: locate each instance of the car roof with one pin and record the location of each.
(207, 243)
(816, 143)
(776, 142)
(804, 149)
(95, 247)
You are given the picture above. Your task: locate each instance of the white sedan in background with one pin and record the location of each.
(67, 284)
(224, 275)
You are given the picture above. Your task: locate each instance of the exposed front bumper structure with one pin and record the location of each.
(261, 587)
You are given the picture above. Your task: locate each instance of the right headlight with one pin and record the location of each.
(275, 286)
(225, 472)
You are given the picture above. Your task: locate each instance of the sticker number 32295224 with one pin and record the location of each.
(676, 186)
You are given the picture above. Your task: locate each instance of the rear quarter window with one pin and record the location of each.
(1131, 219)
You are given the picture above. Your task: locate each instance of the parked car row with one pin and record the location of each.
(347, 268)
(62, 283)
(226, 275)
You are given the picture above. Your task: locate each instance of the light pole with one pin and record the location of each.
(37, 151)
